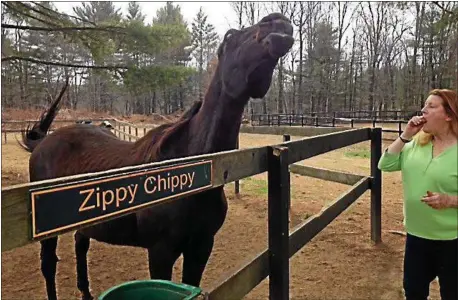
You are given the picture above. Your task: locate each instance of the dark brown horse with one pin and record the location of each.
(246, 61)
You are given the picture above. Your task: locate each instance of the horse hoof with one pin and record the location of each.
(87, 297)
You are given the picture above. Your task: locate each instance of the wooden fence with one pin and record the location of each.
(278, 160)
(15, 126)
(123, 130)
(323, 121)
(369, 114)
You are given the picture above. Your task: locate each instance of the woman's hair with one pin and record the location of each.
(450, 103)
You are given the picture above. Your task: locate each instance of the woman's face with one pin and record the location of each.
(435, 115)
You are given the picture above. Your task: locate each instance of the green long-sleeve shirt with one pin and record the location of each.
(421, 173)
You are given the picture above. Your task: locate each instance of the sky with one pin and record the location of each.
(220, 14)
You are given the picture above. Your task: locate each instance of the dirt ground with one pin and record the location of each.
(339, 263)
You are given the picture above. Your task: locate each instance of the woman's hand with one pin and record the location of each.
(413, 127)
(440, 201)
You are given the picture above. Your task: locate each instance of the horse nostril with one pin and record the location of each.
(278, 44)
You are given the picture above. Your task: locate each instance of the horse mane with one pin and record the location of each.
(192, 111)
(156, 139)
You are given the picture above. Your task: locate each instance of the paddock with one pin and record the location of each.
(340, 262)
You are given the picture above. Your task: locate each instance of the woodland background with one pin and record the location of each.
(347, 56)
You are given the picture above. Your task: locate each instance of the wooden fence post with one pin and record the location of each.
(278, 194)
(287, 138)
(376, 186)
(237, 183)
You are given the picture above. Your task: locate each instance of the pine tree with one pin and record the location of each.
(204, 42)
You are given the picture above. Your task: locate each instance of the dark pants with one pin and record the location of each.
(423, 261)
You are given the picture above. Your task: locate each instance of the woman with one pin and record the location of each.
(427, 155)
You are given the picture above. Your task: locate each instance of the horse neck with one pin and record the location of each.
(215, 127)
(217, 124)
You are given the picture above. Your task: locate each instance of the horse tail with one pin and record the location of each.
(32, 137)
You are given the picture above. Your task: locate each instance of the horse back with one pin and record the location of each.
(78, 149)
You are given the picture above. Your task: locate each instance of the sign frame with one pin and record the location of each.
(35, 193)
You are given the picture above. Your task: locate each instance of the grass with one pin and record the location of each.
(259, 187)
(358, 153)
(255, 186)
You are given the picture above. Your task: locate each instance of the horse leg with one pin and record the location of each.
(49, 265)
(195, 258)
(81, 248)
(161, 259)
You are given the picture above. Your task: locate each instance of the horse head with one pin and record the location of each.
(247, 57)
